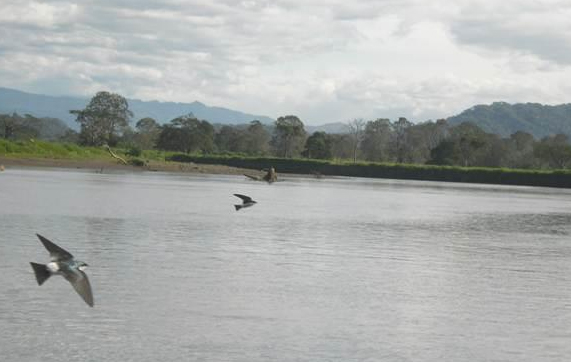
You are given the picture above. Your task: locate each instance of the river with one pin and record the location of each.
(332, 269)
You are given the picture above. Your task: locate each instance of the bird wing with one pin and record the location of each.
(56, 253)
(80, 283)
(244, 197)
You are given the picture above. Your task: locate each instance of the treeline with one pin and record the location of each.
(547, 178)
(107, 120)
(17, 127)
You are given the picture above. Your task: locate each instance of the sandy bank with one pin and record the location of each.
(102, 165)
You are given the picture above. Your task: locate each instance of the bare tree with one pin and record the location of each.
(356, 129)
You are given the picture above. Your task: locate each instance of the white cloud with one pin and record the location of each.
(325, 61)
(37, 14)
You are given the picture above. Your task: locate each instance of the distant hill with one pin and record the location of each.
(37, 105)
(499, 117)
(505, 119)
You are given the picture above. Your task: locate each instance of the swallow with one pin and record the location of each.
(62, 263)
(246, 201)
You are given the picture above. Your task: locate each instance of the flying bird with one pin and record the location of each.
(246, 201)
(62, 263)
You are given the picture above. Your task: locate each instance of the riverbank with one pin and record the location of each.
(180, 163)
(35, 153)
(101, 165)
(46, 154)
(483, 175)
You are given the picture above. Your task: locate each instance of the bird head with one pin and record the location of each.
(81, 265)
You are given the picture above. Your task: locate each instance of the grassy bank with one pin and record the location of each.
(174, 161)
(70, 151)
(556, 178)
(69, 155)
(41, 149)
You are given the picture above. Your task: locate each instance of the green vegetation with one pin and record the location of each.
(58, 150)
(106, 116)
(289, 136)
(186, 134)
(15, 126)
(557, 178)
(53, 150)
(399, 149)
(43, 149)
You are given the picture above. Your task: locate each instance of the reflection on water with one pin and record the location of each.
(319, 270)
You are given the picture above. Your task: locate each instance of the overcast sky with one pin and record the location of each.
(322, 60)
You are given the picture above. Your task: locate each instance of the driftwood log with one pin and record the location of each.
(115, 156)
(269, 177)
(252, 177)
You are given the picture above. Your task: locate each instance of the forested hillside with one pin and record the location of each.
(505, 119)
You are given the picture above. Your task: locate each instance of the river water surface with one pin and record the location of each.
(335, 269)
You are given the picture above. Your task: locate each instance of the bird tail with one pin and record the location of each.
(41, 271)
(238, 207)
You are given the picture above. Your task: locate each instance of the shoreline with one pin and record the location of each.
(101, 165)
(253, 168)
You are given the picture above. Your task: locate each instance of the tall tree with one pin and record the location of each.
(377, 135)
(106, 115)
(434, 132)
(191, 127)
(7, 126)
(16, 127)
(318, 145)
(257, 139)
(423, 138)
(173, 138)
(446, 153)
(493, 153)
(356, 129)
(520, 150)
(206, 131)
(400, 141)
(470, 140)
(341, 146)
(148, 131)
(186, 134)
(555, 151)
(229, 139)
(465, 146)
(289, 136)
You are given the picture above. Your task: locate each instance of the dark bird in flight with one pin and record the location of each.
(62, 263)
(246, 201)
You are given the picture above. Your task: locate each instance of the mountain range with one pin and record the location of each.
(505, 119)
(37, 105)
(500, 118)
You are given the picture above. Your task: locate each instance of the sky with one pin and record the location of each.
(322, 60)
